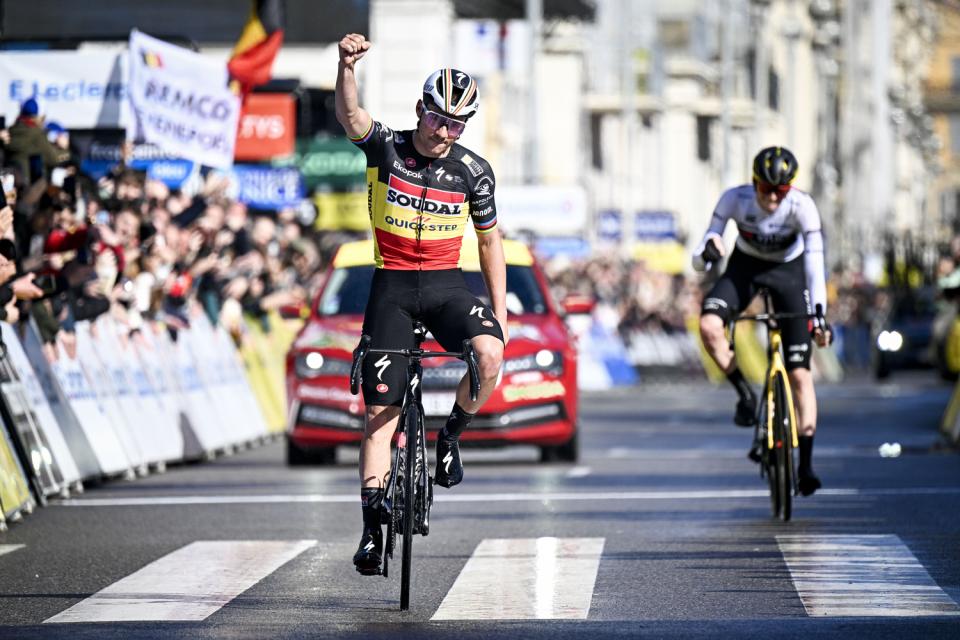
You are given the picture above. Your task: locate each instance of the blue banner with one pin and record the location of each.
(101, 158)
(655, 225)
(268, 188)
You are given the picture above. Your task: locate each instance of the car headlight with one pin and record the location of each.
(890, 341)
(543, 360)
(313, 364)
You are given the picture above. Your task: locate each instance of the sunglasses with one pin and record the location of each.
(434, 121)
(766, 189)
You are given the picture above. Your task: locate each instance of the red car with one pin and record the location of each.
(535, 402)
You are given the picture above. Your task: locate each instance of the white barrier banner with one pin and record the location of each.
(212, 365)
(160, 441)
(99, 376)
(54, 450)
(41, 360)
(93, 417)
(181, 102)
(81, 90)
(196, 401)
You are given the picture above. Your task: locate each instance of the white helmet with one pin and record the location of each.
(453, 92)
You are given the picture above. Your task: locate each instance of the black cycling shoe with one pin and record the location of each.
(368, 556)
(808, 482)
(756, 452)
(746, 415)
(449, 468)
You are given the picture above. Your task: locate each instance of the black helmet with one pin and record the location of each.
(775, 165)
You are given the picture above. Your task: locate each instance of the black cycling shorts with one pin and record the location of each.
(440, 300)
(787, 282)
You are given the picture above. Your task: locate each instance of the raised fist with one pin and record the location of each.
(353, 46)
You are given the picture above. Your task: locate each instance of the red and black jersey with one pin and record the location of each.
(419, 206)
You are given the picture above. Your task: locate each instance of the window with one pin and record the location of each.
(773, 89)
(703, 138)
(955, 133)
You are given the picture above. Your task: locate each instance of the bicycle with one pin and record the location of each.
(408, 495)
(775, 426)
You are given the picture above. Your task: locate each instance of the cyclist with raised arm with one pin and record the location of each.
(779, 247)
(422, 188)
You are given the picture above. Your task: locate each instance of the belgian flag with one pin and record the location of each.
(252, 58)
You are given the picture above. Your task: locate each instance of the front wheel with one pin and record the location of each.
(409, 500)
(783, 446)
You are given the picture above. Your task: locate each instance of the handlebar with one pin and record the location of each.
(819, 322)
(468, 355)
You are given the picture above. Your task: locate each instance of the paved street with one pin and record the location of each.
(662, 530)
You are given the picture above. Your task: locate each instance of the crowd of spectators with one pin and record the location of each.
(75, 247)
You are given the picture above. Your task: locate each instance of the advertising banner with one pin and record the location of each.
(101, 157)
(334, 164)
(53, 451)
(268, 126)
(181, 102)
(544, 211)
(268, 188)
(14, 490)
(93, 418)
(76, 440)
(78, 89)
(342, 211)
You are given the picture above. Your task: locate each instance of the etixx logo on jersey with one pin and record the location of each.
(414, 197)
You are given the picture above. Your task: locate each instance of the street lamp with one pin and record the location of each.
(826, 37)
(758, 19)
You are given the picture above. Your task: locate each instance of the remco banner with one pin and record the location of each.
(181, 103)
(78, 89)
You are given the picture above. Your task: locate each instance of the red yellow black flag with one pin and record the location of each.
(252, 58)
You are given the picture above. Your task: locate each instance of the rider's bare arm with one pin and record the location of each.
(354, 118)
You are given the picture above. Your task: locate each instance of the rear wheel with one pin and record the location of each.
(783, 446)
(409, 500)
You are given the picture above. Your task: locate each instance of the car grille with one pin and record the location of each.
(328, 417)
(520, 417)
(446, 376)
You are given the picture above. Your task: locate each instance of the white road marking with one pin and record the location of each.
(525, 578)
(572, 496)
(861, 575)
(189, 584)
(463, 497)
(10, 548)
(578, 472)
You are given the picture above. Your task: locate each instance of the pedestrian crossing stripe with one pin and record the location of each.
(861, 575)
(525, 578)
(520, 579)
(189, 584)
(9, 548)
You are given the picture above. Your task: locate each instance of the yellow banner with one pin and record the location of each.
(342, 211)
(264, 358)
(14, 491)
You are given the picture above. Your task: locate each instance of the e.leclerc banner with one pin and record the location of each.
(181, 102)
(78, 89)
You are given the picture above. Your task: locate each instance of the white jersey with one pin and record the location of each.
(793, 229)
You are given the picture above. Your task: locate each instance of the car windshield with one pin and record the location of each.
(348, 288)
